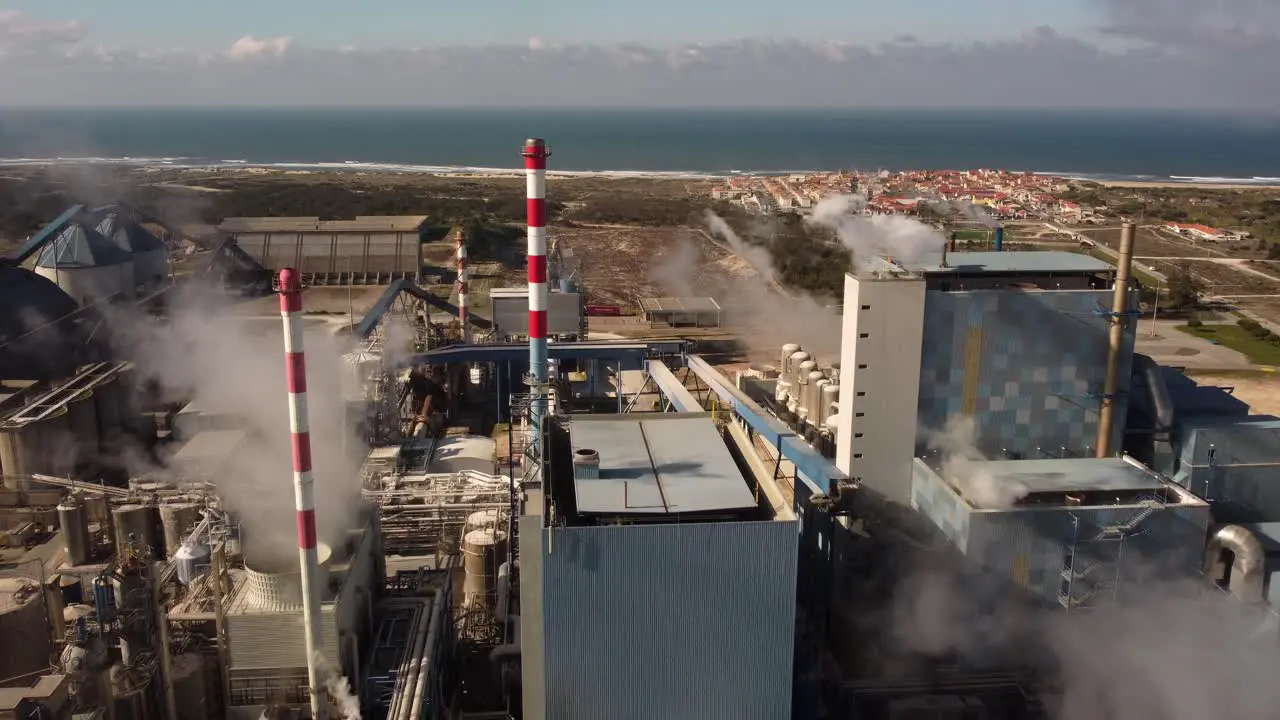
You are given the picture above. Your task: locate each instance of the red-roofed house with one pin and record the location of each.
(1203, 232)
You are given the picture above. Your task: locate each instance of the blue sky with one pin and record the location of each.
(381, 23)
(1183, 54)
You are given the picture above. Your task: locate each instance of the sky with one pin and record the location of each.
(1211, 54)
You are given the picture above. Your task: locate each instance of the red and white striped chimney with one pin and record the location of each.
(304, 501)
(535, 170)
(460, 252)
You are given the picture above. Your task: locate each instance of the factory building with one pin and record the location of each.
(87, 266)
(510, 311)
(681, 311)
(654, 580)
(150, 255)
(367, 250)
(1016, 343)
(1068, 531)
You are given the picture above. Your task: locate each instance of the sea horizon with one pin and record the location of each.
(1110, 145)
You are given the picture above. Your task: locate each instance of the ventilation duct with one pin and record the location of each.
(586, 464)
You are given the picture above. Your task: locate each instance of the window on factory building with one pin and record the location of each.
(864, 335)
(866, 307)
(858, 414)
(862, 393)
(857, 435)
(862, 366)
(857, 455)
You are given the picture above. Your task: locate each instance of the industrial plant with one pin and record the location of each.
(423, 513)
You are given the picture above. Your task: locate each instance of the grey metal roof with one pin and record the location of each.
(38, 339)
(1048, 261)
(679, 304)
(1070, 475)
(128, 234)
(361, 224)
(670, 465)
(79, 246)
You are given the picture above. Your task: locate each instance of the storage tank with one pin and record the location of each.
(72, 592)
(186, 672)
(830, 396)
(38, 318)
(793, 366)
(87, 266)
(275, 582)
(190, 559)
(483, 550)
(41, 446)
(782, 391)
(177, 520)
(801, 391)
(24, 628)
(74, 523)
(787, 351)
(819, 405)
(83, 417)
(138, 521)
(814, 395)
(150, 255)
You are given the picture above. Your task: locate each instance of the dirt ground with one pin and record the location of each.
(1150, 242)
(1262, 392)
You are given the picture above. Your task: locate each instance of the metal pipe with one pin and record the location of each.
(999, 243)
(424, 670)
(1158, 389)
(1119, 321)
(408, 687)
(304, 502)
(162, 625)
(535, 165)
(1246, 569)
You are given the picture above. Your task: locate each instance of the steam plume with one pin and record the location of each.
(962, 463)
(905, 239)
(339, 689)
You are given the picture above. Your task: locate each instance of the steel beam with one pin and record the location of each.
(597, 349)
(674, 390)
(817, 472)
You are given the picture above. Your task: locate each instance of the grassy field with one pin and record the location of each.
(1237, 338)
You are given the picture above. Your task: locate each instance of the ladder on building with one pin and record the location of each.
(1092, 565)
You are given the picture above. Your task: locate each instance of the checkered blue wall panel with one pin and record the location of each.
(1028, 365)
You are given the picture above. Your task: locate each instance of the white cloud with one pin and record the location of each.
(536, 43)
(252, 48)
(22, 33)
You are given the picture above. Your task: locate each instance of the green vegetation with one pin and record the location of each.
(1255, 211)
(1183, 290)
(1255, 342)
(806, 258)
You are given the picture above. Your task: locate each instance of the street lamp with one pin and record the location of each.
(1155, 308)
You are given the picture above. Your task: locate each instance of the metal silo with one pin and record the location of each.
(787, 351)
(830, 396)
(75, 531)
(24, 627)
(190, 559)
(87, 266)
(44, 445)
(106, 401)
(797, 359)
(150, 255)
(814, 395)
(177, 519)
(138, 521)
(83, 416)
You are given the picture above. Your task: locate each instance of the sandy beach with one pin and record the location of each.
(1189, 185)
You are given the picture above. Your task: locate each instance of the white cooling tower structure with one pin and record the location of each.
(276, 583)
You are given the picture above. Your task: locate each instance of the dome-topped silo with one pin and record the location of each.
(39, 338)
(150, 254)
(86, 265)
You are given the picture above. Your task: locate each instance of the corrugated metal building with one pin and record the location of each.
(1071, 532)
(510, 308)
(681, 311)
(1232, 462)
(665, 589)
(369, 250)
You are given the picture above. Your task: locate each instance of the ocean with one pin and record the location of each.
(1106, 145)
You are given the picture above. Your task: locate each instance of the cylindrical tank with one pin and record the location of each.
(793, 367)
(276, 582)
(782, 390)
(830, 396)
(44, 446)
(804, 368)
(814, 393)
(787, 351)
(819, 407)
(177, 519)
(186, 672)
(131, 695)
(802, 415)
(801, 391)
(483, 550)
(75, 531)
(138, 521)
(54, 605)
(72, 590)
(190, 558)
(83, 417)
(833, 422)
(23, 627)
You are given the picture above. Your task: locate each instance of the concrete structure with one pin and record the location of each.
(1071, 532)
(368, 250)
(681, 311)
(663, 588)
(510, 311)
(1010, 345)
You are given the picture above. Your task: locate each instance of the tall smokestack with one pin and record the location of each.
(535, 170)
(460, 251)
(304, 502)
(999, 238)
(1119, 320)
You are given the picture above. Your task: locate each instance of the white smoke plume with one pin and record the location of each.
(905, 239)
(759, 312)
(963, 464)
(233, 368)
(339, 689)
(980, 215)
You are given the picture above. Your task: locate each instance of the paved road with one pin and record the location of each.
(1171, 346)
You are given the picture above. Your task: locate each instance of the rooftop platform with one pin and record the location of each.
(1049, 261)
(360, 224)
(680, 304)
(672, 465)
(1071, 475)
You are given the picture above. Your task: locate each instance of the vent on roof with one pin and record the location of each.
(586, 464)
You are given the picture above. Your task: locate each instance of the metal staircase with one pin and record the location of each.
(1092, 565)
